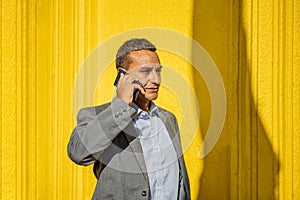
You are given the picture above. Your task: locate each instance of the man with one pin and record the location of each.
(134, 144)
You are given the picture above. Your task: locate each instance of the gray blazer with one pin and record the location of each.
(104, 136)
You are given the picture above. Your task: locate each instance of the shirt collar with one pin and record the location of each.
(153, 109)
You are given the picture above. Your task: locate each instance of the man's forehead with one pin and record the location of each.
(143, 57)
(143, 53)
(148, 66)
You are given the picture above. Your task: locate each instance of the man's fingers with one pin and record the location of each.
(142, 90)
(122, 76)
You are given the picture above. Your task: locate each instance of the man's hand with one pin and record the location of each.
(126, 87)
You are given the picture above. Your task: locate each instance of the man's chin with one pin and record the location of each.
(149, 96)
(152, 97)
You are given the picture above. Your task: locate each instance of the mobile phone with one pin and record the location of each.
(136, 91)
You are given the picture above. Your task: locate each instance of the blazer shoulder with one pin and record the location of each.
(95, 109)
(165, 112)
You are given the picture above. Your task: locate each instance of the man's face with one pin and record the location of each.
(145, 67)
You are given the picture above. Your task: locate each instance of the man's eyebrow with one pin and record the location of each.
(146, 67)
(150, 67)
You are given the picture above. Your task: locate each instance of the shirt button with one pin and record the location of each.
(144, 193)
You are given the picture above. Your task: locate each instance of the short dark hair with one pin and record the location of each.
(135, 44)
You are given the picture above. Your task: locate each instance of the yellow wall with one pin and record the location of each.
(255, 45)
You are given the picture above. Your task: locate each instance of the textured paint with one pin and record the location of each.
(255, 44)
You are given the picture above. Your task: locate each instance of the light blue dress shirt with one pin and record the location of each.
(159, 153)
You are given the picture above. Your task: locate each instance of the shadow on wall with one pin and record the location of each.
(242, 165)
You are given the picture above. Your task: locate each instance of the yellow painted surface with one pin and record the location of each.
(255, 45)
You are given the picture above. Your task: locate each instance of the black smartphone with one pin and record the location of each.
(136, 91)
(118, 76)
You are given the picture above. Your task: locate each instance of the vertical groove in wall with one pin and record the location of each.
(86, 40)
(247, 67)
(32, 92)
(63, 78)
(296, 99)
(88, 29)
(59, 93)
(275, 126)
(74, 58)
(81, 54)
(289, 95)
(279, 97)
(35, 94)
(245, 101)
(284, 119)
(291, 85)
(52, 142)
(241, 43)
(25, 85)
(21, 109)
(241, 120)
(285, 101)
(253, 69)
(17, 145)
(56, 93)
(238, 158)
(292, 108)
(1, 96)
(232, 128)
(79, 36)
(241, 111)
(24, 101)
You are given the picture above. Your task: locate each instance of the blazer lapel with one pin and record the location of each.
(175, 138)
(136, 148)
(170, 126)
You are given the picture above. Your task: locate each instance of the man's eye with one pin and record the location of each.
(146, 71)
(158, 70)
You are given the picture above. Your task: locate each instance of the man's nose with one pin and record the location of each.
(155, 77)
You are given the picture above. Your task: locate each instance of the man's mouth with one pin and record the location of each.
(152, 89)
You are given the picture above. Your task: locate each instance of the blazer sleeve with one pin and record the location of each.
(96, 130)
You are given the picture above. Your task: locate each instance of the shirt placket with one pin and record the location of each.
(158, 160)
